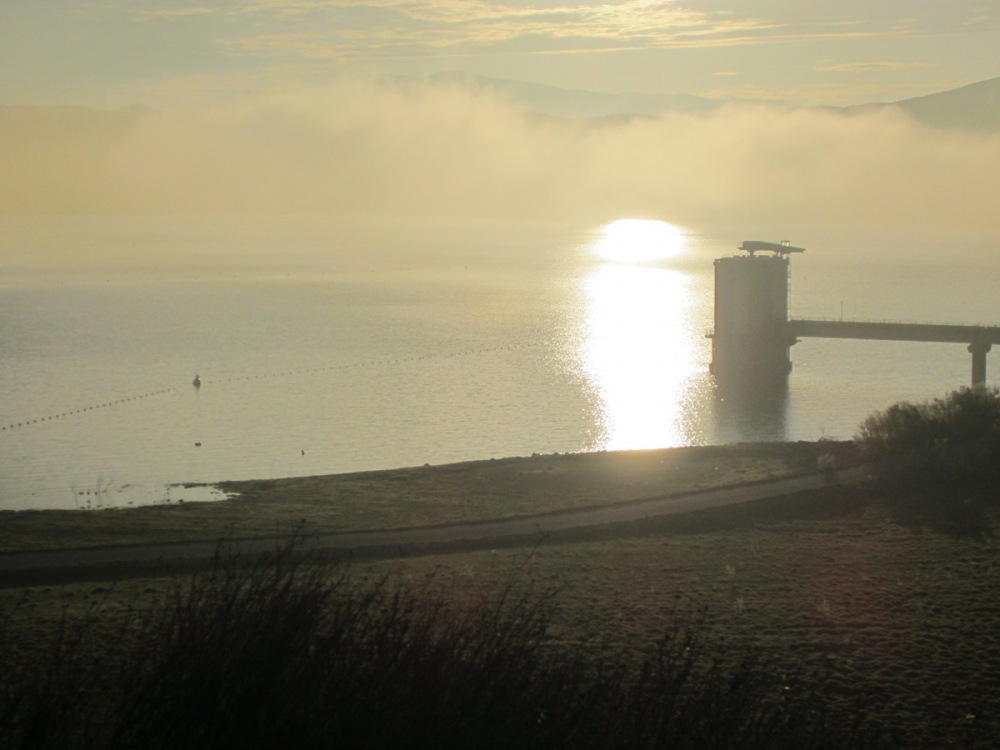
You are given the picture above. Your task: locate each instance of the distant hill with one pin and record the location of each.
(577, 103)
(972, 107)
(975, 107)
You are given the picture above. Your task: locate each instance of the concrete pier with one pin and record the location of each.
(979, 351)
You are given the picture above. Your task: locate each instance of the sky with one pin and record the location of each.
(292, 106)
(120, 52)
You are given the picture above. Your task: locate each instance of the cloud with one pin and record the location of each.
(418, 28)
(261, 43)
(430, 28)
(361, 147)
(367, 29)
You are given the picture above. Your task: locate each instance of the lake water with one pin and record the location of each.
(332, 345)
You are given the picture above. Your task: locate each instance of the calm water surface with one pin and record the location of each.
(328, 346)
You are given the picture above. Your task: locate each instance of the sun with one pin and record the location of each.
(639, 241)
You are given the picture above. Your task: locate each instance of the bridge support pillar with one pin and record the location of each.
(979, 350)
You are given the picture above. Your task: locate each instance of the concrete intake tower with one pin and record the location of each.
(751, 341)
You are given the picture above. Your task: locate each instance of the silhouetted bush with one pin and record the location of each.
(968, 418)
(940, 460)
(284, 653)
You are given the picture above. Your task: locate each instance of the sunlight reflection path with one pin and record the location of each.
(637, 346)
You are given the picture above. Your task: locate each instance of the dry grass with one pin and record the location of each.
(828, 584)
(277, 651)
(836, 590)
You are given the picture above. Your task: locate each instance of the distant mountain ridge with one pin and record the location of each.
(972, 107)
(975, 107)
(578, 103)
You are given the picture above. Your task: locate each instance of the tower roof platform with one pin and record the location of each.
(778, 248)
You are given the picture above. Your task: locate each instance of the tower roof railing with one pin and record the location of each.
(778, 248)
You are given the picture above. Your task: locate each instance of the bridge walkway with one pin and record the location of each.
(979, 339)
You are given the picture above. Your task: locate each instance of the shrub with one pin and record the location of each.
(967, 419)
(938, 461)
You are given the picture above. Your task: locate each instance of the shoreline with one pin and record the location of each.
(608, 521)
(466, 492)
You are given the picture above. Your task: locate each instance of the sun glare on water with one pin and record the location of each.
(639, 241)
(637, 347)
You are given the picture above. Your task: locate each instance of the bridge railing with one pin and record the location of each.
(817, 319)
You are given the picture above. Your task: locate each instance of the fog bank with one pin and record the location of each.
(436, 149)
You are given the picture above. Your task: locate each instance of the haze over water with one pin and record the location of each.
(336, 345)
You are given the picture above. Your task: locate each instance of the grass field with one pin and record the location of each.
(894, 614)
